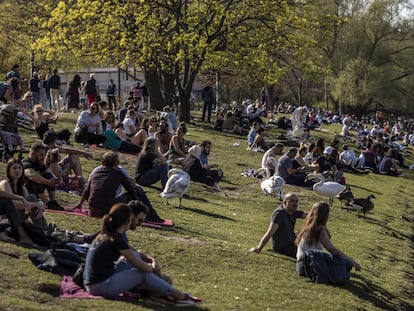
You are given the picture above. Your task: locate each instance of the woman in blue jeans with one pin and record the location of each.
(314, 235)
(112, 267)
(151, 164)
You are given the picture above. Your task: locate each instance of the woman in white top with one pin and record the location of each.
(314, 235)
(129, 123)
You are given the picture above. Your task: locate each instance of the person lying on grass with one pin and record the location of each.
(113, 267)
(282, 226)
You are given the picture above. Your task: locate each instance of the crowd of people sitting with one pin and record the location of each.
(159, 144)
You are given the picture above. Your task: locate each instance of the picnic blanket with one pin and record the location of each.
(68, 289)
(168, 223)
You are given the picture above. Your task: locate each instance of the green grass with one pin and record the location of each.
(207, 252)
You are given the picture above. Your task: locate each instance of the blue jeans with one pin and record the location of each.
(153, 175)
(300, 267)
(127, 277)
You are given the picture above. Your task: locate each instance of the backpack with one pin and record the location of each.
(322, 267)
(3, 89)
(59, 261)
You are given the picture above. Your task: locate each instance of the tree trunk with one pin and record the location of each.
(152, 81)
(169, 88)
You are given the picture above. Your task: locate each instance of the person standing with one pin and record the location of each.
(47, 103)
(34, 86)
(91, 90)
(54, 85)
(281, 228)
(73, 93)
(110, 93)
(208, 98)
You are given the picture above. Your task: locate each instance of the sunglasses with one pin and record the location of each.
(39, 110)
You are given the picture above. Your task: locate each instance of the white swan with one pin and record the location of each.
(177, 184)
(273, 185)
(326, 188)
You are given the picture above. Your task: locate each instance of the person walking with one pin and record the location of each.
(208, 98)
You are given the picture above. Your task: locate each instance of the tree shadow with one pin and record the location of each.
(205, 213)
(377, 295)
(363, 188)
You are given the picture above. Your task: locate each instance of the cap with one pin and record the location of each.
(328, 150)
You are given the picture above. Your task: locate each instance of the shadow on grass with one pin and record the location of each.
(363, 188)
(205, 213)
(48, 288)
(396, 234)
(378, 296)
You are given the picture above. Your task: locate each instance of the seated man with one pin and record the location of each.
(292, 176)
(269, 161)
(164, 137)
(212, 169)
(38, 179)
(71, 162)
(281, 228)
(102, 186)
(326, 165)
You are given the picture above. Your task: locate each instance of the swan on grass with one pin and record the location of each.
(177, 184)
(273, 186)
(326, 188)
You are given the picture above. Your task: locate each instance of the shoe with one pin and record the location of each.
(85, 145)
(54, 205)
(189, 300)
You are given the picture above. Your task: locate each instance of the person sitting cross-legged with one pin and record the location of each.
(113, 267)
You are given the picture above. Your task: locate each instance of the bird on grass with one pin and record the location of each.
(345, 195)
(177, 185)
(363, 205)
(326, 188)
(273, 186)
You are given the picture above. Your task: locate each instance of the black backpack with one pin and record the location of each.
(322, 267)
(59, 261)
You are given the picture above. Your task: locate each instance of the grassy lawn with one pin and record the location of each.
(207, 252)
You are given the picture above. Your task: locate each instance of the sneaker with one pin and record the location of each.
(189, 300)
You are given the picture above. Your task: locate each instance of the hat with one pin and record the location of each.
(195, 151)
(328, 150)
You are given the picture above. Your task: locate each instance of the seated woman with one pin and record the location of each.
(153, 127)
(389, 164)
(41, 119)
(88, 129)
(177, 151)
(107, 274)
(314, 235)
(129, 123)
(8, 209)
(231, 125)
(68, 180)
(15, 184)
(142, 134)
(193, 166)
(151, 165)
(259, 143)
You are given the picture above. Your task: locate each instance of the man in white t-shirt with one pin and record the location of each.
(269, 158)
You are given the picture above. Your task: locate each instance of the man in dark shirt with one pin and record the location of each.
(327, 165)
(292, 176)
(102, 186)
(38, 179)
(281, 228)
(54, 85)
